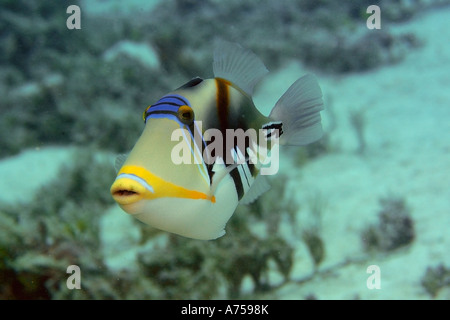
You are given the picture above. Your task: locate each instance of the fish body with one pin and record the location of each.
(203, 146)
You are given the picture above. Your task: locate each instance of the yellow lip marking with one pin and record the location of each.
(126, 191)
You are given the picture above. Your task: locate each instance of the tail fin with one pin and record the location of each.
(299, 111)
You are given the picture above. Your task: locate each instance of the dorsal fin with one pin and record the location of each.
(238, 65)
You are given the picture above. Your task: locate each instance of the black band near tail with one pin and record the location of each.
(271, 129)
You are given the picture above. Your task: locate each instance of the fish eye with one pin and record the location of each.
(186, 114)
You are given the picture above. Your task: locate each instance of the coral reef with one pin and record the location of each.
(395, 228)
(436, 278)
(312, 228)
(58, 228)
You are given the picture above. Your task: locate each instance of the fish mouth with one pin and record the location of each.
(135, 183)
(126, 191)
(123, 196)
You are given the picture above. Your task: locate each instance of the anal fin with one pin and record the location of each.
(259, 186)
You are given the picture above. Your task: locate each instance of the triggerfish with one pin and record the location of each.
(205, 147)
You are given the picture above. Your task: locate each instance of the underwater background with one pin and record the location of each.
(362, 214)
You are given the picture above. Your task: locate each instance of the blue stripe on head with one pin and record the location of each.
(137, 179)
(169, 116)
(174, 99)
(163, 107)
(166, 105)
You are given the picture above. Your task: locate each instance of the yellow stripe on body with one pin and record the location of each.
(161, 187)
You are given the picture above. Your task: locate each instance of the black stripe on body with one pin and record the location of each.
(222, 107)
(270, 127)
(237, 183)
(222, 103)
(243, 178)
(229, 120)
(252, 168)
